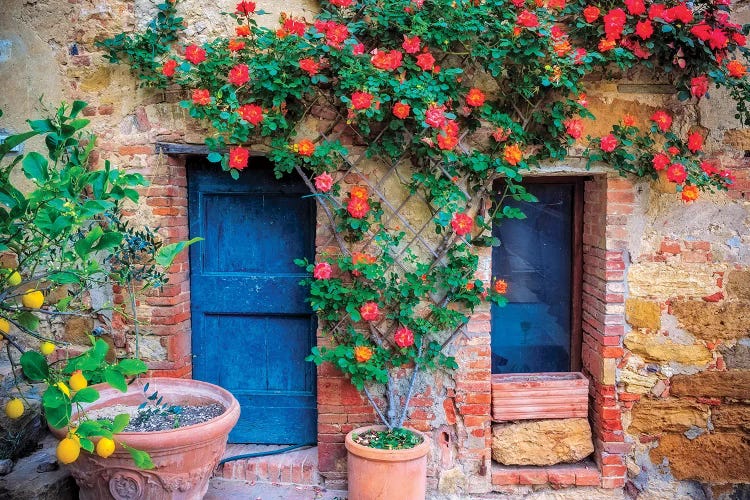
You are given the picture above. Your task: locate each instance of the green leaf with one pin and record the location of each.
(35, 167)
(34, 366)
(120, 422)
(115, 379)
(141, 458)
(166, 254)
(132, 367)
(42, 126)
(27, 320)
(57, 407)
(87, 445)
(14, 140)
(77, 108)
(215, 157)
(109, 239)
(86, 395)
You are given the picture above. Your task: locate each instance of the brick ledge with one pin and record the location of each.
(584, 473)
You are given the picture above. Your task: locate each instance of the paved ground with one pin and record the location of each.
(225, 489)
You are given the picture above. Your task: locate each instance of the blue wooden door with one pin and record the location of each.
(251, 326)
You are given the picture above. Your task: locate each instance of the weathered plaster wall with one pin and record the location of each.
(668, 346)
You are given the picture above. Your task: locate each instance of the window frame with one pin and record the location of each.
(576, 271)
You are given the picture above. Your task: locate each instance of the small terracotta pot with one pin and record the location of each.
(184, 458)
(386, 474)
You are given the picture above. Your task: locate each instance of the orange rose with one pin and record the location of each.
(358, 192)
(362, 353)
(305, 147)
(513, 154)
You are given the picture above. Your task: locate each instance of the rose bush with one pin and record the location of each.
(471, 93)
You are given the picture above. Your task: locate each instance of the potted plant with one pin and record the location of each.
(64, 238)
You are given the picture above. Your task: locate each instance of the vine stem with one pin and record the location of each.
(377, 408)
(410, 391)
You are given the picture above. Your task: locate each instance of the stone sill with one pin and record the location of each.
(584, 473)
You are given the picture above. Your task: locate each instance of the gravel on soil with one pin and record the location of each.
(151, 420)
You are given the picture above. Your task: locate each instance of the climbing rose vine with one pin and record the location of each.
(471, 94)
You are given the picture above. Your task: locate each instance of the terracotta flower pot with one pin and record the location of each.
(386, 474)
(184, 458)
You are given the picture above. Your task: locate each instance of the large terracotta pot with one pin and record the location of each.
(184, 458)
(386, 474)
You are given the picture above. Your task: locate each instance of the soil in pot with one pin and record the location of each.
(151, 420)
(395, 439)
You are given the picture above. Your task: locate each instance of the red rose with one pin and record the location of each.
(426, 61)
(324, 182)
(717, 40)
(462, 224)
(238, 157)
(699, 85)
(608, 143)
(411, 45)
(309, 66)
(342, 3)
(501, 134)
(450, 128)
(295, 27)
(251, 113)
(475, 98)
(676, 173)
(169, 68)
(656, 10)
(243, 30)
(689, 193)
(358, 49)
(239, 75)
(358, 207)
(628, 120)
(401, 110)
(447, 142)
(701, 31)
(579, 56)
(574, 128)
(403, 337)
(527, 19)
(695, 142)
(635, 7)
(336, 35)
(201, 97)
(709, 168)
(361, 100)
(591, 13)
(556, 4)
(500, 286)
(662, 120)
(305, 147)
(660, 161)
(614, 22)
(245, 8)
(322, 271)
(435, 116)
(739, 39)
(386, 60)
(369, 311)
(644, 29)
(736, 69)
(673, 150)
(680, 12)
(195, 54)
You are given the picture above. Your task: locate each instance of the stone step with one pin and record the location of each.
(297, 467)
(25, 482)
(584, 473)
(229, 489)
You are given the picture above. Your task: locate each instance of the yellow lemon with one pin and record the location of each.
(33, 299)
(105, 447)
(14, 279)
(78, 381)
(63, 388)
(4, 325)
(68, 450)
(14, 408)
(47, 348)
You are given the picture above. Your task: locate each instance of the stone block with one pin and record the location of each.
(542, 442)
(653, 416)
(658, 348)
(713, 321)
(736, 357)
(731, 384)
(637, 383)
(77, 329)
(733, 417)
(643, 314)
(655, 279)
(25, 481)
(738, 285)
(711, 458)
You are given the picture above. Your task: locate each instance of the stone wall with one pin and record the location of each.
(665, 285)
